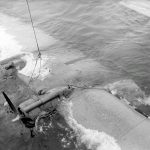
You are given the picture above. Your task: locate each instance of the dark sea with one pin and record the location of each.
(114, 33)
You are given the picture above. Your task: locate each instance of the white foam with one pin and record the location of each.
(93, 139)
(8, 45)
(40, 71)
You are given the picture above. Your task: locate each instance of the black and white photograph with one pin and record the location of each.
(74, 74)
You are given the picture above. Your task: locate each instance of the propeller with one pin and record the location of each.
(11, 105)
(23, 117)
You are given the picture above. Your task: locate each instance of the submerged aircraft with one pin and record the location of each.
(93, 107)
(29, 111)
(101, 111)
(43, 102)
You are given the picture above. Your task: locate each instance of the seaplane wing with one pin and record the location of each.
(99, 110)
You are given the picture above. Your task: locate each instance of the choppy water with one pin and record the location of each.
(107, 31)
(115, 35)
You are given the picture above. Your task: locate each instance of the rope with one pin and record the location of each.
(31, 77)
(39, 69)
(39, 53)
(83, 87)
(86, 87)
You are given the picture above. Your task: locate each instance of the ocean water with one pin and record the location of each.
(113, 33)
(110, 32)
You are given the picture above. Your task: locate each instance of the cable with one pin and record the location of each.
(39, 52)
(86, 87)
(39, 55)
(33, 72)
(39, 69)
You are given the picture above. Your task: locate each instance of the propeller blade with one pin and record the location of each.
(16, 119)
(11, 105)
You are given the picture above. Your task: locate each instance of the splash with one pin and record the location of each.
(93, 139)
(9, 47)
(41, 70)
